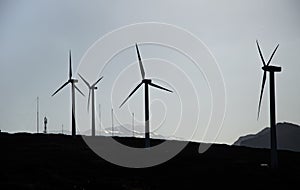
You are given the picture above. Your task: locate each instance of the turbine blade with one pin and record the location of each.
(79, 90)
(84, 81)
(97, 81)
(160, 87)
(260, 53)
(272, 54)
(70, 65)
(131, 94)
(60, 88)
(140, 62)
(88, 106)
(261, 92)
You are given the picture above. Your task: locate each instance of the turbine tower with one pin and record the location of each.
(73, 87)
(92, 89)
(271, 69)
(146, 83)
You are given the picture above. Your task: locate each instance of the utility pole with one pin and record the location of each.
(112, 122)
(99, 119)
(133, 124)
(37, 115)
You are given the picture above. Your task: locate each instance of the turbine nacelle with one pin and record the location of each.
(271, 68)
(147, 81)
(73, 80)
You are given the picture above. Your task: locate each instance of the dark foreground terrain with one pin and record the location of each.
(30, 161)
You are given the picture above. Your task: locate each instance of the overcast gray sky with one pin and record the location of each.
(35, 37)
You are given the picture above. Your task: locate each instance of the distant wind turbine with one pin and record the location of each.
(92, 89)
(73, 87)
(146, 82)
(271, 69)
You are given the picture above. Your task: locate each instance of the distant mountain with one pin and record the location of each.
(288, 138)
(66, 132)
(126, 131)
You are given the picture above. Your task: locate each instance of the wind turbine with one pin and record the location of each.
(146, 82)
(73, 87)
(92, 89)
(271, 69)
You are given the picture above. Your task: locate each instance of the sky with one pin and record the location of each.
(35, 38)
